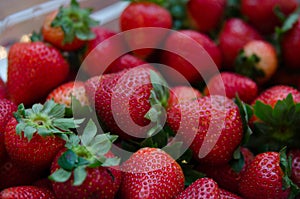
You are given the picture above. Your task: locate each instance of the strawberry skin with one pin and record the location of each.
(179, 94)
(206, 14)
(26, 192)
(199, 112)
(263, 178)
(295, 155)
(34, 155)
(151, 173)
(234, 35)
(224, 194)
(34, 69)
(100, 182)
(233, 84)
(201, 188)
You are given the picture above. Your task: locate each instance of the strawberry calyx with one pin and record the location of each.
(286, 167)
(281, 123)
(159, 96)
(75, 22)
(45, 120)
(246, 65)
(86, 151)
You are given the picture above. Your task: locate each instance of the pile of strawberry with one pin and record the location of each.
(233, 136)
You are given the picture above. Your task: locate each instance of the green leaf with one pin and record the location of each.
(29, 131)
(79, 175)
(36, 108)
(72, 141)
(20, 128)
(191, 175)
(65, 123)
(160, 94)
(111, 162)
(279, 14)
(290, 21)
(263, 112)
(68, 160)
(100, 148)
(42, 131)
(89, 133)
(237, 162)
(60, 175)
(174, 150)
(56, 111)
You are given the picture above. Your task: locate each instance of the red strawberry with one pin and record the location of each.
(91, 86)
(264, 178)
(233, 84)
(179, 94)
(295, 155)
(104, 46)
(44, 183)
(224, 194)
(14, 175)
(6, 112)
(264, 17)
(69, 27)
(181, 41)
(34, 69)
(234, 35)
(225, 175)
(36, 135)
(151, 173)
(63, 93)
(206, 14)
(86, 169)
(140, 15)
(258, 60)
(26, 192)
(196, 122)
(201, 188)
(3, 92)
(124, 101)
(290, 46)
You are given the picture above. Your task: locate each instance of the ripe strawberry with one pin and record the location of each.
(63, 94)
(34, 69)
(181, 41)
(126, 102)
(201, 188)
(266, 177)
(264, 18)
(179, 94)
(196, 122)
(234, 35)
(34, 136)
(258, 60)
(104, 46)
(3, 92)
(206, 14)
(6, 112)
(295, 155)
(233, 84)
(140, 15)
(91, 86)
(44, 183)
(26, 192)
(151, 173)
(225, 175)
(84, 169)
(290, 46)
(224, 194)
(69, 27)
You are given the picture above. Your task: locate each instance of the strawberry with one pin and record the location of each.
(179, 94)
(290, 46)
(84, 169)
(26, 192)
(265, 18)
(63, 94)
(44, 183)
(181, 41)
(194, 121)
(130, 103)
(3, 92)
(226, 175)
(151, 173)
(295, 156)
(233, 36)
(257, 60)
(91, 86)
(141, 15)
(206, 14)
(233, 84)
(14, 175)
(224, 194)
(104, 45)
(201, 188)
(6, 112)
(34, 69)
(267, 177)
(69, 27)
(34, 136)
